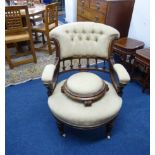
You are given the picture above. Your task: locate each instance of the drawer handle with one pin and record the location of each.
(97, 6)
(82, 2)
(96, 18)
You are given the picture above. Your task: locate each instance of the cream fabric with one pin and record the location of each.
(75, 113)
(84, 83)
(84, 39)
(48, 73)
(122, 73)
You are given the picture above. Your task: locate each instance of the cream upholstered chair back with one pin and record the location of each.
(84, 39)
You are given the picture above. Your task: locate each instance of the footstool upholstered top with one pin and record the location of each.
(84, 83)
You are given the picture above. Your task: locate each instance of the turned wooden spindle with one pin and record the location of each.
(104, 64)
(63, 65)
(88, 62)
(79, 63)
(71, 65)
(96, 63)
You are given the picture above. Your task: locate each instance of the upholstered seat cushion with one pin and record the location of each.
(41, 27)
(23, 36)
(84, 83)
(75, 114)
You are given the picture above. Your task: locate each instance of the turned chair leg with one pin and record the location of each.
(33, 51)
(8, 58)
(109, 127)
(61, 128)
(49, 44)
(43, 39)
(34, 24)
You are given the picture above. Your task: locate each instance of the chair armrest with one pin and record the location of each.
(48, 73)
(122, 74)
(119, 76)
(50, 76)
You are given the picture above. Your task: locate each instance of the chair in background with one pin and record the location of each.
(18, 31)
(50, 22)
(37, 18)
(84, 100)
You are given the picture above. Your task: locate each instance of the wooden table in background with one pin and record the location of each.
(126, 48)
(142, 60)
(36, 9)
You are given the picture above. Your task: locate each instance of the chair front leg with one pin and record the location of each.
(49, 43)
(8, 58)
(120, 89)
(33, 50)
(60, 126)
(109, 127)
(43, 38)
(49, 89)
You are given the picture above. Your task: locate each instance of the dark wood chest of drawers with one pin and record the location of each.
(116, 13)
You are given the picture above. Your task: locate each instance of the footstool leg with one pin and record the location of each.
(109, 127)
(61, 128)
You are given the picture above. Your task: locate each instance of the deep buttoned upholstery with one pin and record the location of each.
(84, 39)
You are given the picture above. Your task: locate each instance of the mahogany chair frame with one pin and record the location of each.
(51, 86)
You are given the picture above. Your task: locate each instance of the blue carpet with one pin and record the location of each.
(31, 129)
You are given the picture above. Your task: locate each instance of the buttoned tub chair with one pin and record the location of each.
(84, 100)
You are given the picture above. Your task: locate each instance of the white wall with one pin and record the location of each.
(71, 10)
(140, 23)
